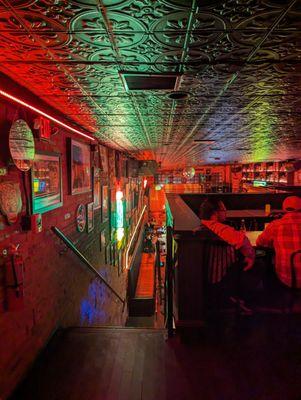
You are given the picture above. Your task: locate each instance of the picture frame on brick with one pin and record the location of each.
(46, 182)
(80, 167)
(90, 217)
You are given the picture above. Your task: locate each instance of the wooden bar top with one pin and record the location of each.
(184, 218)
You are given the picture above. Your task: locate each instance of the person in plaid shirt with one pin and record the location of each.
(284, 235)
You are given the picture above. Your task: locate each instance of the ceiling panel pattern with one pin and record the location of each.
(240, 62)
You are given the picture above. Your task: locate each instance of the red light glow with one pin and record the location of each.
(40, 112)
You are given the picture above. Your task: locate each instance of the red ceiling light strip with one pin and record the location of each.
(57, 121)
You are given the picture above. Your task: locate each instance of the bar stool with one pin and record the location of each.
(295, 291)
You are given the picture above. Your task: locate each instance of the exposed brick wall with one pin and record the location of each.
(58, 288)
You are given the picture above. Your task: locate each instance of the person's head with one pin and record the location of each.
(292, 203)
(213, 209)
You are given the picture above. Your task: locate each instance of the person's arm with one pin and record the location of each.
(265, 239)
(225, 232)
(235, 238)
(248, 252)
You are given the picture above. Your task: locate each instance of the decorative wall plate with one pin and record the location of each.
(10, 200)
(81, 219)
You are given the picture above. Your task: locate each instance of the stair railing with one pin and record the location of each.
(169, 283)
(74, 249)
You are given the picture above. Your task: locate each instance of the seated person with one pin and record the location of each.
(212, 214)
(284, 235)
(148, 244)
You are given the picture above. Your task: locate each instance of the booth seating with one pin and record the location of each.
(201, 286)
(199, 261)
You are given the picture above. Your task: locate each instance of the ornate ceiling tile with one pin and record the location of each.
(240, 59)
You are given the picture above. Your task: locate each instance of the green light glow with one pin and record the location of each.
(262, 126)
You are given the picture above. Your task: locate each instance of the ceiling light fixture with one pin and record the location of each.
(178, 95)
(40, 112)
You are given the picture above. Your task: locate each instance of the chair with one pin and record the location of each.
(224, 266)
(283, 301)
(295, 290)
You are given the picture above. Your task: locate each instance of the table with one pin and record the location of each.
(252, 236)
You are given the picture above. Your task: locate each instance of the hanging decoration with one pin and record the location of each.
(189, 172)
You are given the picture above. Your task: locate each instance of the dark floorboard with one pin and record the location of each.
(258, 358)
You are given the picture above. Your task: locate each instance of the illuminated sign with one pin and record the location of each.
(119, 215)
(259, 183)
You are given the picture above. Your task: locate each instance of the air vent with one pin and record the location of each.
(142, 81)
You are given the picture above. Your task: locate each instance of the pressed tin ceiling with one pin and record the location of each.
(239, 61)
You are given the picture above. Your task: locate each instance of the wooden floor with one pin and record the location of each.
(146, 278)
(252, 361)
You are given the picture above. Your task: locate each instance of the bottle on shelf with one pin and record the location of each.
(243, 226)
(267, 209)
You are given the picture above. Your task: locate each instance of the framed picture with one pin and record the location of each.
(46, 182)
(113, 254)
(102, 241)
(80, 167)
(107, 254)
(81, 218)
(90, 217)
(112, 171)
(96, 188)
(120, 269)
(105, 203)
(103, 154)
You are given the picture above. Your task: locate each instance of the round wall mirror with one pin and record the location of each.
(21, 145)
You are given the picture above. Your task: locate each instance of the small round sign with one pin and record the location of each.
(81, 218)
(21, 145)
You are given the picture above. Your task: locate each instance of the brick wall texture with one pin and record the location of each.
(59, 291)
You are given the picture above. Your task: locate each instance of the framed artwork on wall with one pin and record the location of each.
(90, 217)
(120, 269)
(107, 254)
(102, 241)
(113, 254)
(81, 218)
(103, 153)
(46, 182)
(105, 203)
(96, 188)
(112, 171)
(80, 167)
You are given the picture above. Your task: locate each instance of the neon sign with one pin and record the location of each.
(40, 112)
(259, 183)
(119, 215)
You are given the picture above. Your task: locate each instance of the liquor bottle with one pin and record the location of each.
(242, 226)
